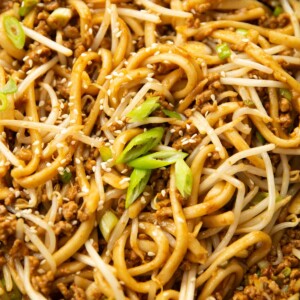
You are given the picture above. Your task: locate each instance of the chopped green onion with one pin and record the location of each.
(286, 271)
(278, 198)
(14, 31)
(277, 11)
(260, 138)
(249, 103)
(258, 273)
(10, 87)
(285, 93)
(66, 176)
(285, 288)
(141, 144)
(107, 224)
(144, 110)
(105, 153)
(14, 294)
(223, 51)
(27, 6)
(138, 181)
(3, 102)
(59, 17)
(172, 114)
(263, 264)
(242, 31)
(259, 197)
(157, 159)
(183, 178)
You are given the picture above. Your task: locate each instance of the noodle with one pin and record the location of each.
(149, 149)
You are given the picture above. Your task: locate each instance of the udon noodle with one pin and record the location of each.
(148, 149)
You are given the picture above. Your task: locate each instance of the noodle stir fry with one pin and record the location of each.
(148, 149)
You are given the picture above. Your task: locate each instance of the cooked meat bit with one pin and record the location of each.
(63, 227)
(6, 5)
(274, 22)
(51, 5)
(79, 48)
(43, 282)
(71, 32)
(7, 225)
(43, 15)
(72, 191)
(278, 281)
(187, 143)
(132, 259)
(42, 28)
(284, 105)
(79, 293)
(67, 294)
(34, 264)
(69, 210)
(82, 216)
(9, 199)
(39, 54)
(89, 164)
(285, 120)
(18, 249)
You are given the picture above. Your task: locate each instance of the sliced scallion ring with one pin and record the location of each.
(157, 159)
(10, 87)
(3, 102)
(285, 93)
(14, 31)
(107, 224)
(223, 51)
(141, 144)
(183, 178)
(144, 110)
(172, 114)
(138, 181)
(242, 31)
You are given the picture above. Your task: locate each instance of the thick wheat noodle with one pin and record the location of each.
(241, 244)
(232, 269)
(36, 136)
(80, 89)
(218, 220)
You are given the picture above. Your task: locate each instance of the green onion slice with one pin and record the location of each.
(157, 159)
(260, 138)
(66, 176)
(285, 93)
(3, 102)
(144, 110)
(277, 11)
(107, 224)
(263, 264)
(242, 31)
(10, 87)
(286, 272)
(105, 153)
(172, 114)
(183, 178)
(27, 6)
(141, 144)
(249, 103)
(14, 294)
(14, 31)
(223, 51)
(259, 197)
(138, 181)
